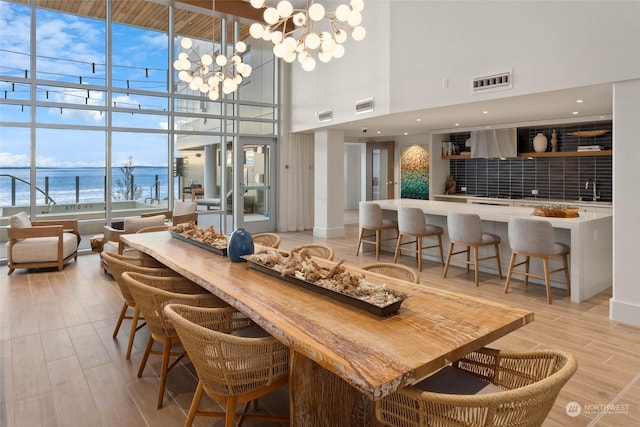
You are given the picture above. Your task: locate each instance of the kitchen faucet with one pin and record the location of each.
(596, 196)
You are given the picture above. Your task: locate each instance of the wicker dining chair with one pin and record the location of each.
(501, 388)
(317, 250)
(271, 240)
(151, 294)
(117, 265)
(231, 369)
(397, 271)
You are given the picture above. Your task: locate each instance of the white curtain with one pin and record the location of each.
(296, 183)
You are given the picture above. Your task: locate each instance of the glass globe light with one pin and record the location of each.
(204, 70)
(342, 12)
(186, 43)
(302, 56)
(214, 94)
(206, 59)
(338, 52)
(358, 33)
(237, 79)
(213, 82)
(328, 45)
(355, 19)
(183, 55)
(193, 86)
(221, 60)
(246, 70)
(184, 76)
(267, 34)
(185, 64)
(299, 19)
(235, 60)
(340, 36)
(284, 8)
(279, 50)
(316, 12)
(357, 5)
(204, 88)
(290, 44)
(176, 65)
(312, 40)
(276, 36)
(257, 3)
(324, 56)
(289, 57)
(241, 47)
(256, 30)
(308, 64)
(271, 15)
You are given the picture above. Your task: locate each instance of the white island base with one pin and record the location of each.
(589, 236)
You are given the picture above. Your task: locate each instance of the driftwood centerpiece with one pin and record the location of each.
(205, 238)
(557, 211)
(335, 281)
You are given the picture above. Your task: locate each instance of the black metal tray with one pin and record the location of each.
(218, 251)
(347, 299)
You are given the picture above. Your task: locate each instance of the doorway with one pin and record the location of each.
(379, 170)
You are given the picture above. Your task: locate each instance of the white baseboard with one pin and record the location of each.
(624, 312)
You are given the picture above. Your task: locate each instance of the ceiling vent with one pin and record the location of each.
(325, 116)
(496, 81)
(364, 106)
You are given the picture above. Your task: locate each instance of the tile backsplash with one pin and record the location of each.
(554, 177)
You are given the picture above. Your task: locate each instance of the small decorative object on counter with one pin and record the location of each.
(557, 210)
(554, 141)
(540, 143)
(450, 185)
(240, 243)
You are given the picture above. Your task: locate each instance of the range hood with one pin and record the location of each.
(494, 143)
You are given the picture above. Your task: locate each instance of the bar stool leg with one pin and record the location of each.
(498, 260)
(440, 245)
(378, 237)
(547, 278)
(397, 253)
(446, 266)
(567, 276)
(419, 252)
(526, 278)
(512, 262)
(475, 262)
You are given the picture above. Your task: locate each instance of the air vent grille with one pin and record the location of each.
(325, 116)
(364, 106)
(496, 81)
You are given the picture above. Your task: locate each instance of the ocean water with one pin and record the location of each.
(62, 184)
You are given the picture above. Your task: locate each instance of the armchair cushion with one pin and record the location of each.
(183, 208)
(133, 224)
(40, 243)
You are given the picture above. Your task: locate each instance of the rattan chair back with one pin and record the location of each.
(231, 369)
(531, 381)
(397, 271)
(271, 240)
(317, 250)
(152, 293)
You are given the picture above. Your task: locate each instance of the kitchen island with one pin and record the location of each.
(589, 236)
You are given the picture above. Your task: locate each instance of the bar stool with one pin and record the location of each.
(466, 229)
(411, 223)
(535, 238)
(371, 219)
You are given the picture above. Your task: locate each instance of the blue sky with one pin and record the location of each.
(70, 44)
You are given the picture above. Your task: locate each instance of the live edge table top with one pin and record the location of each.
(376, 355)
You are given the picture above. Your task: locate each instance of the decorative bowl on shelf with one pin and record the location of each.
(588, 133)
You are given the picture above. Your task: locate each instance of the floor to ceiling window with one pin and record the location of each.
(93, 120)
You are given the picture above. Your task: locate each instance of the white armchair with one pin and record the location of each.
(40, 244)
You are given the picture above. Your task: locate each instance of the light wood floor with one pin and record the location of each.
(59, 365)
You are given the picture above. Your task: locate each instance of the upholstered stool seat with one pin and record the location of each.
(370, 215)
(466, 229)
(411, 223)
(535, 238)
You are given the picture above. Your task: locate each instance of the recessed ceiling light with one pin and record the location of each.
(575, 113)
(485, 112)
(602, 117)
(406, 133)
(456, 124)
(379, 132)
(579, 101)
(418, 120)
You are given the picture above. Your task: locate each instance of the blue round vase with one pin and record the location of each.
(240, 243)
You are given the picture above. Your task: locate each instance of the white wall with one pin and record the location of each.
(412, 45)
(353, 155)
(625, 303)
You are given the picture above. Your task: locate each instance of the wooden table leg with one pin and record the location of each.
(321, 398)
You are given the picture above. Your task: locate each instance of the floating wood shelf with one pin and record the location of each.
(609, 153)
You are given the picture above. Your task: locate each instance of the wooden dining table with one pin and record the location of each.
(342, 357)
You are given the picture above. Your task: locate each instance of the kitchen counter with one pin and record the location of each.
(589, 236)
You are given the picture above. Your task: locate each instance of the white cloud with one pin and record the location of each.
(14, 160)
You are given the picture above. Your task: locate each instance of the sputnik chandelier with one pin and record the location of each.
(208, 72)
(294, 35)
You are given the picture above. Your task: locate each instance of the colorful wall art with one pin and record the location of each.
(414, 172)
